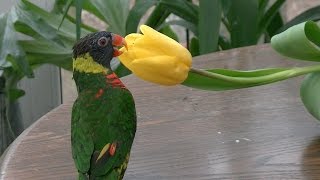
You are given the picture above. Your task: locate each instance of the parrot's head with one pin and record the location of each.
(101, 46)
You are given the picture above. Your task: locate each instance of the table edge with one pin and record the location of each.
(5, 158)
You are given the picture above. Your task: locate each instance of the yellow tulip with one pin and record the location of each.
(155, 57)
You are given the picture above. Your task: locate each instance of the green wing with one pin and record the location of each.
(119, 125)
(81, 141)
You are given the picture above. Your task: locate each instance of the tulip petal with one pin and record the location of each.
(128, 55)
(126, 58)
(164, 43)
(155, 57)
(130, 39)
(163, 70)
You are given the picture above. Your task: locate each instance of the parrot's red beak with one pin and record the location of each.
(118, 41)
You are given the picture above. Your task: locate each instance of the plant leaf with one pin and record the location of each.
(274, 26)
(184, 9)
(243, 20)
(14, 94)
(226, 5)
(49, 22)
(114, 13)
(68, 5)
(263, 5)
(78, 4)
(169, 32)
(310, 94)
(60, 6)
(300, 42)
(312, 14)
(42, 52)
(136, 13)
(88, 6)
(199, 81)
(194, 47)
(42, 49)
(9, 48)
(3, 29)
(39, 26)
(190, 26)
(226, 79)
(210, 11)
(158, 16)
(224, 43)
(269, 15)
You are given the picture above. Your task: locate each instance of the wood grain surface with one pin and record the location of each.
(183, 133)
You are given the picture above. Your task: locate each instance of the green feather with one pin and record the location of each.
(102, 114)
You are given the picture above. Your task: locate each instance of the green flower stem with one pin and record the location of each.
(279, 76)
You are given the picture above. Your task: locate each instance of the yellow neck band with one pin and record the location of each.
(87, 65)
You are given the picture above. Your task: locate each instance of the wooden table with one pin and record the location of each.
(183, 133)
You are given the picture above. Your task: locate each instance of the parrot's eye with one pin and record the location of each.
(103, 41)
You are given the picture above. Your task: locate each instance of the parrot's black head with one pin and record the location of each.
(102, 47)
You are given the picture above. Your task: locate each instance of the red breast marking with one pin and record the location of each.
(114, 81)
(112, 76)
(112, 149)
(99, 93)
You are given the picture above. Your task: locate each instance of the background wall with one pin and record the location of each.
(43, 92)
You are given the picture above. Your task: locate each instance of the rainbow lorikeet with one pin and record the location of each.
(103, 116)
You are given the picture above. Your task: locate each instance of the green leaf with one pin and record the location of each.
(225, 79)
(310, 94)
(84, 26)
(182, 8)
(209, 25)
(48, 24)
(158, 16)
(224, 43)
(114, 13)
(68, 5)
(39, 26)
(14, 94)
(243, 19)
(263, 5)
(226, 5)
(200, 81)
(136, 13)
(312, 14)
(274, 26)
(42, 52)
(169, 32)
(38, 59)
(9, 48)
(194, 47)
(60, 6)
(300, 42)
(43, 27)
(3, 29)
(78, 4)
(88, 6)
(190, 26)
(269, 15)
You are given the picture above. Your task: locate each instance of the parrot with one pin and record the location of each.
(103, 120)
